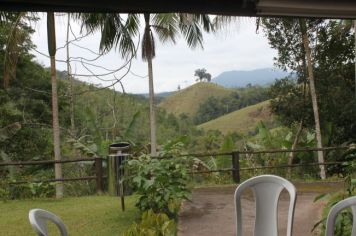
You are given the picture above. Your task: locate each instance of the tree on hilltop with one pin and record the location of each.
(202, 74)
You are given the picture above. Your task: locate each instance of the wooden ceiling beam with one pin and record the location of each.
(302, 8)
(307, 8)
(229, 7)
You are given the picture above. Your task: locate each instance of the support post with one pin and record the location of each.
(99, 175)
(236, 167)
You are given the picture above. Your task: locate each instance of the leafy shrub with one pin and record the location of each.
(27, 186)
(161, 182)
(42, 189)
(152, 225)
(343, 222)
(31, 190)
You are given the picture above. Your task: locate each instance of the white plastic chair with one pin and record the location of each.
(335, 210)
(38, 219)
(266, 189)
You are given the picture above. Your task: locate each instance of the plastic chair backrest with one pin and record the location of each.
(38, 219)
(335, 210)
(266, 189)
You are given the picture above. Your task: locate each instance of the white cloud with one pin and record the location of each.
(239, 49)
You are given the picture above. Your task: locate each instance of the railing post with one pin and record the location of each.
(99, 174)
(236, 167)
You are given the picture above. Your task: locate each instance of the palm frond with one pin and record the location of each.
(132, 24)
(222, 22)
(110, 32)
(192, 34)
(164, 34)
(166, 26)
(205, 21)
(129, 30)
(192, 26)
(89, 22)
(115, 31)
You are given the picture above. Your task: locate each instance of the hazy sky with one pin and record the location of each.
(238, 48)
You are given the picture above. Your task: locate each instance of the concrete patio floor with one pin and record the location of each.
(211, 211)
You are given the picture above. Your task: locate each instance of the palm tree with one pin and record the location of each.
(166, 27)
(51, 35)
(16, 38)
(120, 33)
(313, 95)
(69, 77)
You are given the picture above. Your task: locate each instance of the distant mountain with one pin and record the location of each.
(157, 95)
(240, 78)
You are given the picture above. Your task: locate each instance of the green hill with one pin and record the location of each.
(188, 100)
(241, 121)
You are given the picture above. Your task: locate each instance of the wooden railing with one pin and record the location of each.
(235, 164)
(236, 158)
(97, 161)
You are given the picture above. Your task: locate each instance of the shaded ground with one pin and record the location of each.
(211, 211)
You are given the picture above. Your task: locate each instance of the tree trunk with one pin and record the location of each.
(355, 52)
(55, 121)
(148, 54)
(294, 146)
(69, 77)
(152, 109)
(313, 95)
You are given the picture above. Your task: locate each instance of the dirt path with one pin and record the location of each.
(211, 212)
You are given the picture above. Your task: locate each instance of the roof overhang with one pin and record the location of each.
(301, 8)
(307, 8)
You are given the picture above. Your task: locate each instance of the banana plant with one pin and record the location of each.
(84, 145)
(94, 144)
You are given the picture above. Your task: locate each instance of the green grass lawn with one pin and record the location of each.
(94, 215)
